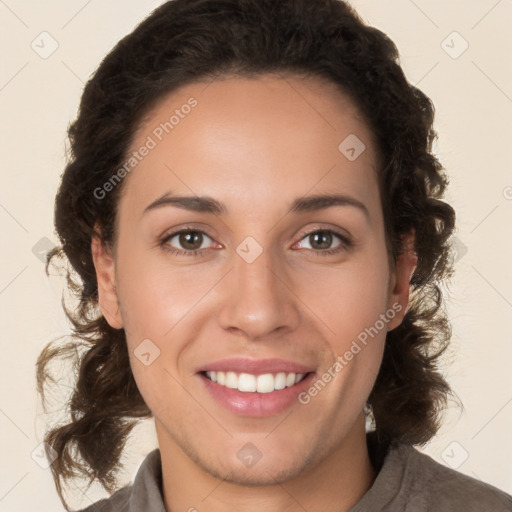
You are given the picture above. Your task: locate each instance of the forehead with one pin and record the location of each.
(248, 137)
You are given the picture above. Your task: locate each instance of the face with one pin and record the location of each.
(254, 277)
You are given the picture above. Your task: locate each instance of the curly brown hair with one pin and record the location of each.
(188, 40)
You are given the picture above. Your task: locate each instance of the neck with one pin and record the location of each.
(335, 482)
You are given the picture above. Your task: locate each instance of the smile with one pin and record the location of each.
(257, 396)
(248, 383)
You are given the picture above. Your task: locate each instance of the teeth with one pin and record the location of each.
(245, 382)
(248, 383)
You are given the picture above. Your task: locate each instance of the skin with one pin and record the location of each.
(255, 145)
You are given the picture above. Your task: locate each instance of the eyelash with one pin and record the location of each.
(346, 243)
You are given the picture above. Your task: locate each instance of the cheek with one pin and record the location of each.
(348, 299)
(353, 307)
(154, 297)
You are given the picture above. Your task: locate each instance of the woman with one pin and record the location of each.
(255, 216)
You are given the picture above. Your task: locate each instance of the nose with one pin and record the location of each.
(257, 299)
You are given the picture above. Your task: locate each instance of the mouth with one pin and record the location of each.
(250, 383)
(255, 389)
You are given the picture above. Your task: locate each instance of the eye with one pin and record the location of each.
(321, 241)
(191, 242)
(186, 241)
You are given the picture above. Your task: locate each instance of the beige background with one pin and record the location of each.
(472, 92)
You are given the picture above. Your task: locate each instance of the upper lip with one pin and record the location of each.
(255, 366)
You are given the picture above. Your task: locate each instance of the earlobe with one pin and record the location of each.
(105, 276)
(406, 264)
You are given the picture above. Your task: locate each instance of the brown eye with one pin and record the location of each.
(323, 242)
(187, 240)
(191, 240)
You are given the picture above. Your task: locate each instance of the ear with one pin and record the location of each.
(400, 280)
(105, 276)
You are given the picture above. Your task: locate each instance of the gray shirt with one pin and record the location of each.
(407, 481)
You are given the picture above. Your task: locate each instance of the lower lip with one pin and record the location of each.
(256, 404)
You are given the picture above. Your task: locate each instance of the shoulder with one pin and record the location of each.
(411, 481)
(118, 502)
(438, 487)
(143, 494)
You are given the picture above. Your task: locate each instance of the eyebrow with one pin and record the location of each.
(303, 204)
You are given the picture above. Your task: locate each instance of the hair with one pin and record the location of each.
(184, 41)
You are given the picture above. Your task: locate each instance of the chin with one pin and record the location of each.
(261, 474)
